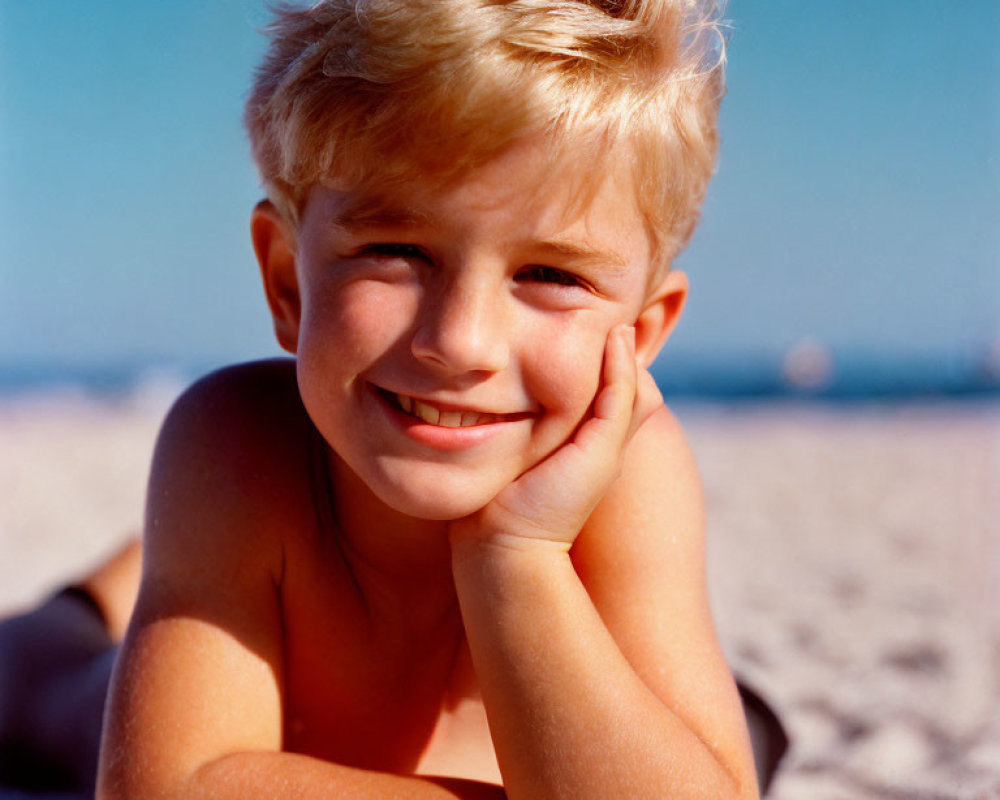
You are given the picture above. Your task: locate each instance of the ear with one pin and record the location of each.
(274, 244)
(659, 316)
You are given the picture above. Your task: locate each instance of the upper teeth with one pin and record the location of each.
(446, 419)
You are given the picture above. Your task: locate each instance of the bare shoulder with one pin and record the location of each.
(228, 467)
(657, 497)
(231, 405)
(644, 544)
(660, 450)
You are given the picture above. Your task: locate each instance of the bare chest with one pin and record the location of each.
(351, 697)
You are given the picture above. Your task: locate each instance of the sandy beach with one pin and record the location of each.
(854, 562)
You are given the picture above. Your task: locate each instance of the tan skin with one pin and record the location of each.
(522, 617)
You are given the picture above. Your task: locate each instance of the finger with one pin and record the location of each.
(648, 399)
(615, 399)
(617, 391)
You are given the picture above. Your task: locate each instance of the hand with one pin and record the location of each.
(551, 501)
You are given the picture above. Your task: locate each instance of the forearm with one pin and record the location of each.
(244, 776)
(568, 714)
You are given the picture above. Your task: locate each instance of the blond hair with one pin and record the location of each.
(370, 92)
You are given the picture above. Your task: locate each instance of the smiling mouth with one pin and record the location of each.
(444, 418)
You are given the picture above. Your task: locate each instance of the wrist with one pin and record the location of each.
(496, 526)
(504, 555)
(508, 579)
(473, 539)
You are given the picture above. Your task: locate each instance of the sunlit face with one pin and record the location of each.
(449, 340)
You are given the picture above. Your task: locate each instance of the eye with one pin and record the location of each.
(550, 275)
(394, 250)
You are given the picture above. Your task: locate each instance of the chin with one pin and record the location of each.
(437, 509)
(440, 501)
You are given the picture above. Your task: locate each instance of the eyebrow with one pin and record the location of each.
(584, 254)
(374, 212)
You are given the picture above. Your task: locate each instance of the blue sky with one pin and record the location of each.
(857, 200)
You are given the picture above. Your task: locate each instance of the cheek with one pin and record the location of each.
(343, 334)
(359, 320)
(566, 370)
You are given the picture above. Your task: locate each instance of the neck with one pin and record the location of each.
(401, 564)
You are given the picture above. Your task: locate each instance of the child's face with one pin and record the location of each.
(448, 341)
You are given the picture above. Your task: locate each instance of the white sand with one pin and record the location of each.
(854, 561)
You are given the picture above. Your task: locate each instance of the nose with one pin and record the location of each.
(463, 329)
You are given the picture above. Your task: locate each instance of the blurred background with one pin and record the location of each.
(838, 367)
(850, 241)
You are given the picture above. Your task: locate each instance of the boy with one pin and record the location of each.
(454, 548)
